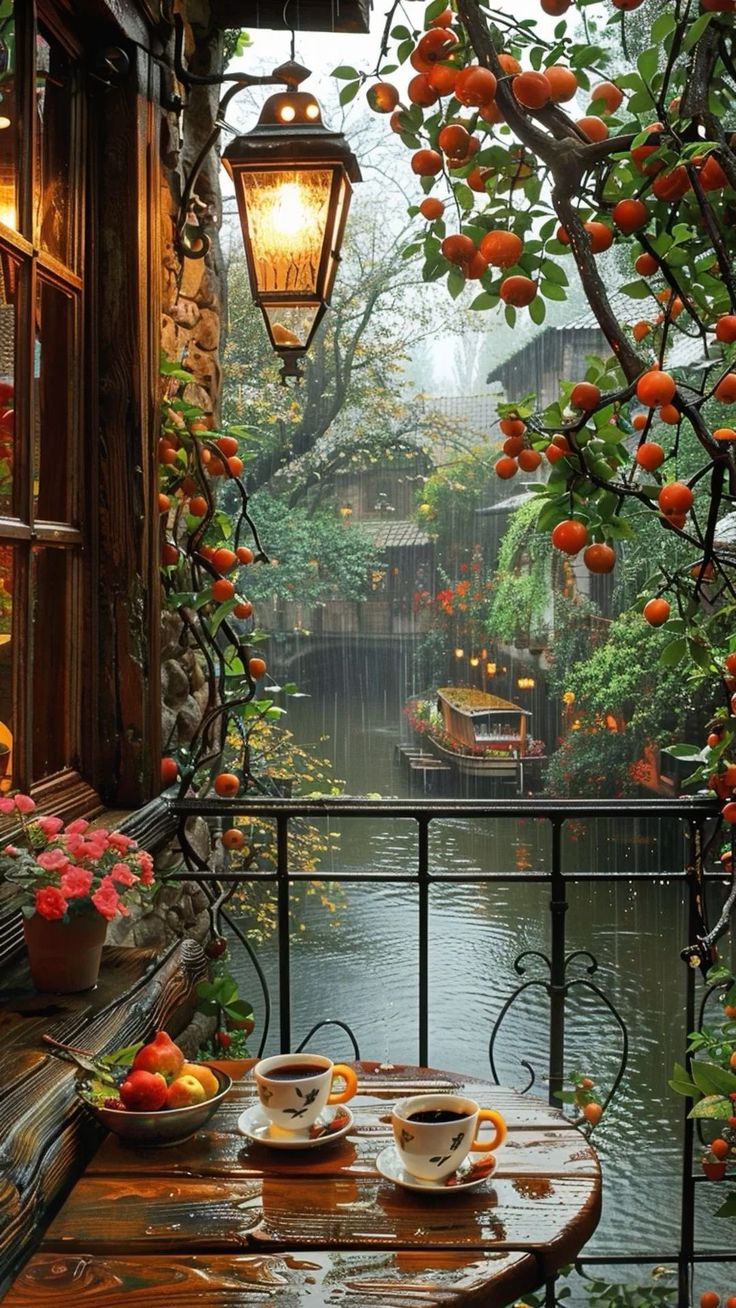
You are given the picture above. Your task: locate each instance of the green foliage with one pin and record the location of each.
(448, 500)
(521, 588)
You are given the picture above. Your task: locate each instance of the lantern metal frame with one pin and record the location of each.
(288, 137)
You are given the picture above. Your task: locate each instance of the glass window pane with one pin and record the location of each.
(54, 408)
(54, 654)
(6, 666)
(8, 286)
(9, 117)
(54, 106)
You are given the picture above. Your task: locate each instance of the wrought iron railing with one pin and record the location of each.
(559, 973)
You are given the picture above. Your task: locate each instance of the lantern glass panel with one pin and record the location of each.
(287, 213)
(290, 327)
(344, 192)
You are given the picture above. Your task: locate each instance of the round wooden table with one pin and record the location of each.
(221, 1222)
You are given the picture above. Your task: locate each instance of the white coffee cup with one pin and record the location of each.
(294, 1088)
(434, 1133)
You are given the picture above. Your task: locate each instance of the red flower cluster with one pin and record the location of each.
(70, 870)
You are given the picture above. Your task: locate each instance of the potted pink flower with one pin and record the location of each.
(76, 878)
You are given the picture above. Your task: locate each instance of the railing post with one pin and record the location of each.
(687, 1210)
(282, 870)
(558, 909)
(423, 879)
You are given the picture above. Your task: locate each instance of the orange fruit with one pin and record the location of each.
(224, 559)
(475, 86)
(593, 128)
(512, 426)
(609, 93)
(529, 460)
(517, 290)
(726, 328)
(453, 140)
(585, 396)
(457, 248)
(509, 64)
(646, 264)
(243, 609)
(513, 446)
(501, 248)
(671, 185)
(725, 389)
(630, 215)
(599, 558)
(505, 467)
(169, 771)
(476, 266)
(592, 1113)
(244, 555)
(570, 535)
(164, 503)
(431, 208)
(233, 838)
(675, 497)
(198, 506)
(712, 176)
(443, 19)
(256, 666)
(650, 455)
(668, 413)
(640, 153)
(599, 235)
(436, 44)
(420, 92)
(227, 445)
(426, 163)
(223, 589)
(226, 785)
(477, 179)
(641, 329)
(532, 90)
(442, 78)
(656, 611)
(655, 387)
(562, 81)
(382, 97)
(169, 554)
(639, 421)
(555, 8)
(724, 434)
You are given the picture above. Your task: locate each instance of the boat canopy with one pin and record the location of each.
(475, 703)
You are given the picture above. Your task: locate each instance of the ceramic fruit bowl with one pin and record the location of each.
(165, 1126)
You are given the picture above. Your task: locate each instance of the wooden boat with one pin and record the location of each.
(486, 735)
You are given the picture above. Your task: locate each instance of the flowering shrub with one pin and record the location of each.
(68, 871)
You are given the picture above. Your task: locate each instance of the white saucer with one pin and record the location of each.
(390, 1166)
(254, 1124)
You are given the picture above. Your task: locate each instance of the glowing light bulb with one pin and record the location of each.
(289, 213)
(287, 113)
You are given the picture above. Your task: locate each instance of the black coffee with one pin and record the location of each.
(292, 1072)
(437, 1115)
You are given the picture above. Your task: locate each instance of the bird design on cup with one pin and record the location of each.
(456, 1141)
(308, 1099)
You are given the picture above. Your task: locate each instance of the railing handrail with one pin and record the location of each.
(696, 807)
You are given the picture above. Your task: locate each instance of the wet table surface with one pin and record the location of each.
(219, 1221)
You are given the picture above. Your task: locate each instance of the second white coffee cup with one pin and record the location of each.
(434, 1133)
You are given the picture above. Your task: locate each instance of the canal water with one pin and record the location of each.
(358, 963)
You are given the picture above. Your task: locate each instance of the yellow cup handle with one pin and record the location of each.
(490, 1115)
(351, 1084)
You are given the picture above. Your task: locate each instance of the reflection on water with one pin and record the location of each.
(364, 972)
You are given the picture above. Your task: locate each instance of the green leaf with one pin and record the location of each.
(345, 73)
(662, 25)
(712, 1079)
(691, 753)
(636, 290)
(713, 1106)
(669, 657)
(695, 31)
(455, 282)
(551, 291)
(349, 92)
(681, 1083)
(484, 301)
(537, 310)
(647, 63)
(510, 315)
(729, 1208)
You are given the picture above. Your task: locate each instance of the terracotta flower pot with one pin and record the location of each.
(65, 956)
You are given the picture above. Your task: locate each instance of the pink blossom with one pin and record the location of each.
(120, 842)
(77, 826)
(24, 803)
(50, 903)
(72, 842)
(145, 865)
(6, 805)
(121, 873)
(76, 881)
(50, 826)
(106, 899)
(52, 860)
(88, 849)
(11, 850)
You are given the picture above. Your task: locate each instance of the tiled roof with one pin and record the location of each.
(475, 411)
(392, 535)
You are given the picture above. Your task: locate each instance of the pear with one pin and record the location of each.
(160, 1055)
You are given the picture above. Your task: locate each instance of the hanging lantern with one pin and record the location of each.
(292, 179)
